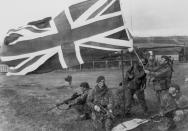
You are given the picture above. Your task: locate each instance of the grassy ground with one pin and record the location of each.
(24, 100)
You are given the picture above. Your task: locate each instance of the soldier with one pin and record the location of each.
(135, 82)
(79, 102)
(173, 106)
(99, 100)
(68, 80)
(161, 76)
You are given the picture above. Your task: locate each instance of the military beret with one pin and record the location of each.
(165, 57)
(176, 86)
(100, 78)
(85, 85)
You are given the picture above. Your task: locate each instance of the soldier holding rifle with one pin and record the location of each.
(78, 102)
(101, 102)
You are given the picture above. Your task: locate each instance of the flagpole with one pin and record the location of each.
(122, 68)
(123, 83)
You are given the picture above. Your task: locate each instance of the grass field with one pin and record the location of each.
(24, 100)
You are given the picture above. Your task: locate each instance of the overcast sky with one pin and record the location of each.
(143, 17)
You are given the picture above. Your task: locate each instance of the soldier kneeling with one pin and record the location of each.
(78, 102)
(174, 105)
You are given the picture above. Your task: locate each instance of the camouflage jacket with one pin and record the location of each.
(82, 99)
(162, 75)
(135, 78)
(168, 102)
(102, 97)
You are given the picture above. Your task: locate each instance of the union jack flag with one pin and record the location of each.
(96, 24)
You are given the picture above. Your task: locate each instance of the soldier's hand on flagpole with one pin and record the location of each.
(147, 72)
(97, 108)
(161, 113)
(152, 79)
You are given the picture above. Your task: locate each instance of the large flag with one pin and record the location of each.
(92, 24)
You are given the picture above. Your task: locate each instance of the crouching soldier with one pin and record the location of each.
(174, 106)
(101, 102)
(78, 102)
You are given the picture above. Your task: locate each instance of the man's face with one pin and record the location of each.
(162, 61)
(151, 57)
(101, 83)
(173, 91)
(83, 89)
(143, 62)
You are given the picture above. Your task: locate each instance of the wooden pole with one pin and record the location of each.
(93, 64)
(123, 83)
(184, 54)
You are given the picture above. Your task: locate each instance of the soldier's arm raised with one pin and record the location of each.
(161, 73)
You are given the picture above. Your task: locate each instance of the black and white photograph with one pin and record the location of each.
(93, 65)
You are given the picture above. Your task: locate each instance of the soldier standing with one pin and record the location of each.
(99, 99)
(161, 76)
(135, 82)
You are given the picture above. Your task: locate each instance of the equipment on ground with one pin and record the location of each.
(131, 124)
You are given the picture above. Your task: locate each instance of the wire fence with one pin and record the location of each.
(89, 65)
(107, 64)
(93, 65)
(4, 68)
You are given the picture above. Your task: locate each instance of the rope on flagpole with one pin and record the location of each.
(138, 58)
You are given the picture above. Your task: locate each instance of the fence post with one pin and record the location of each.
(123, 78)
(119, 64)
(106, 64)
(80, 67)
(93, 65)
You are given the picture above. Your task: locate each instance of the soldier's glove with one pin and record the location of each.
(161, 114)
(110, 113)
(152, 79)
(97, 108)
(131, 76)
(178, 116)
(147, 71)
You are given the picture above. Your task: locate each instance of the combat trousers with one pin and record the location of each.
(167, 123)
(141, 99)
(159, 95)
(102, 122)
(82, 109)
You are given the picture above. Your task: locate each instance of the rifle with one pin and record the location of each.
(168, 111)
(106, 111)
(131, 124)
(73, 97)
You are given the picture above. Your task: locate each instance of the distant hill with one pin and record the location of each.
(162, 40)
(162, 45)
